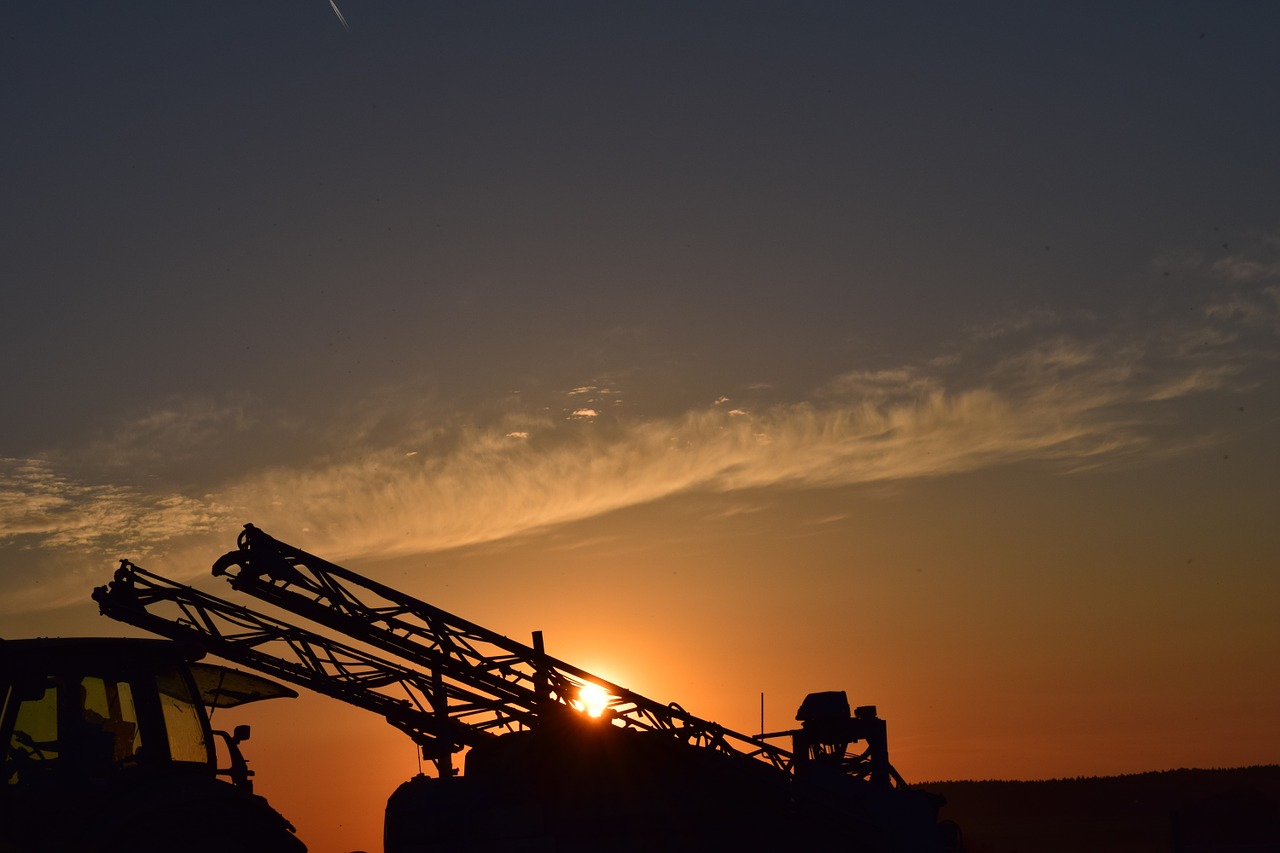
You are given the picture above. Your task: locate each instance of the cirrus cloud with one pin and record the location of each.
(390, 481)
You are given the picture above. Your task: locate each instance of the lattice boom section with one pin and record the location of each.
(518, 679)
(408, 698)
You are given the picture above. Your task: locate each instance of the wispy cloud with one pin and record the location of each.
(52, 508)
(1246, 282)
(1238, 268)
(169, 434)
(388, 480)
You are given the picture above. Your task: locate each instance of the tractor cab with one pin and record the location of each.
(108, 746)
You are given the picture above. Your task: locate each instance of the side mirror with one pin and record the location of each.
(241, 775)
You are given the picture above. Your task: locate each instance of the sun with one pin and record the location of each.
(593, 699)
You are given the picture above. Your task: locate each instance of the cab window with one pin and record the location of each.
(108, 705)
(182, 719)
(33, 742)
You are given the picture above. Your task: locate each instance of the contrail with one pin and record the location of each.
(338, 12)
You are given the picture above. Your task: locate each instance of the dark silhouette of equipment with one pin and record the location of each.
(542, 771)
(827, 729)
(108, 748)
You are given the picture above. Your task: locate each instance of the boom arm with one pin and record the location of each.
(405, 697)
(526, 682)
(463, 684)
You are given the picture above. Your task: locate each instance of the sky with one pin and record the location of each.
(926, 351)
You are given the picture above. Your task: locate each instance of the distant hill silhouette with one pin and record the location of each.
(1175, 811)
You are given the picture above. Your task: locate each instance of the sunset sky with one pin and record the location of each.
(926, 351)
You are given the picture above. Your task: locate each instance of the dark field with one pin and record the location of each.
(1184, 811)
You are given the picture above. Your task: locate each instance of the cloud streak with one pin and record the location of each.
(50, 508)
(1019, 392)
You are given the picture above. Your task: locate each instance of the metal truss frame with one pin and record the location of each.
(451, 684)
